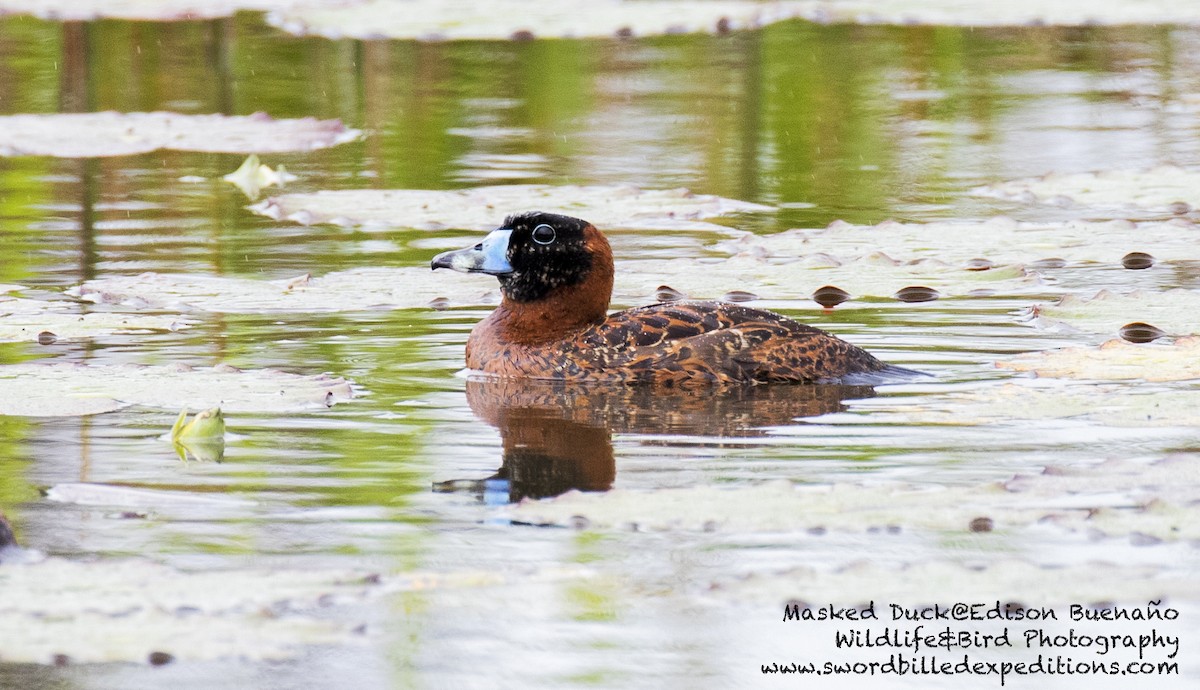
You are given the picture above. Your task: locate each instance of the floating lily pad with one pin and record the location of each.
(1176, 312)
(87, 135)
(978, 247)
(484, 208)
(1110, 405)
(435, 20)
(86, 494)
(126, 610)
(1127, 490)
(774, 507)
(353, 290)
(985, 13)
(875, 275)
(1175, 478)
(63, 389)
(27, 319)
(1115, 360)
(1166, 189)
(148, 10)
(942, 582)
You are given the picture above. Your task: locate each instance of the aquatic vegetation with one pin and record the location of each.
(903, 492)
(148, 10)
(1018, 504)
(638, 282)
(1115, 360)
(252, 177)
(434, 20)
(89, 135)
(978, 246)
(1168, 190)
(480, 208)
(352, 290)
(138, 498)
(128, 610)
(203, 437)
(1037, 403)
(875, 275)
(431, 20)
(1015, 13)
(61, 611)
(1105, 312)
(48, 321)
(66, 389)
(1024, 583)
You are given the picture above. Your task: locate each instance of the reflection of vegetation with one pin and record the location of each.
(16, 433)
(858, 121)
(592, 600)
(375, 463)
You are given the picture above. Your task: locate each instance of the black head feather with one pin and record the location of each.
(544, 259)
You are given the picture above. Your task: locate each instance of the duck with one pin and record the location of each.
(556, 279)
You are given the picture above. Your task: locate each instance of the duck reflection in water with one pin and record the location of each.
(7, 541)
(557, 436)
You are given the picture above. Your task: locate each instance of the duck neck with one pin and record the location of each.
(561, 314)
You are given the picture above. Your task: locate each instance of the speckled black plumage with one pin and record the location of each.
(540, 269)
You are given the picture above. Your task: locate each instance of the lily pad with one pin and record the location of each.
(127, 610)
(1110, 405)
(87, 135)
(483, 208)
(439, 20)
(64, 389)
(1167, 189)
(87, 494)
(27, 319)
(1014, 13)
(774, 507)
(148, 10)
(353, 290)
(960, 245)
(1175, 478)
(1115, 360)
(943, 582)
(1136, 496)
(873, 275)
(24, 319)
(1177, 312)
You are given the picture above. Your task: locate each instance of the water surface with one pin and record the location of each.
(839, 122)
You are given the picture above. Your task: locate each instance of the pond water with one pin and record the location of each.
(826, 122)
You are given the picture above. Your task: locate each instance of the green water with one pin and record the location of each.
(851, 123)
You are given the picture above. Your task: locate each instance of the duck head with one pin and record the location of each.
(545, 262)
(538, 256)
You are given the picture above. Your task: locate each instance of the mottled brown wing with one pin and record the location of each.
(702, 342)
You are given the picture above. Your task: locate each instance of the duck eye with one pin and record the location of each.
(543, 234)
